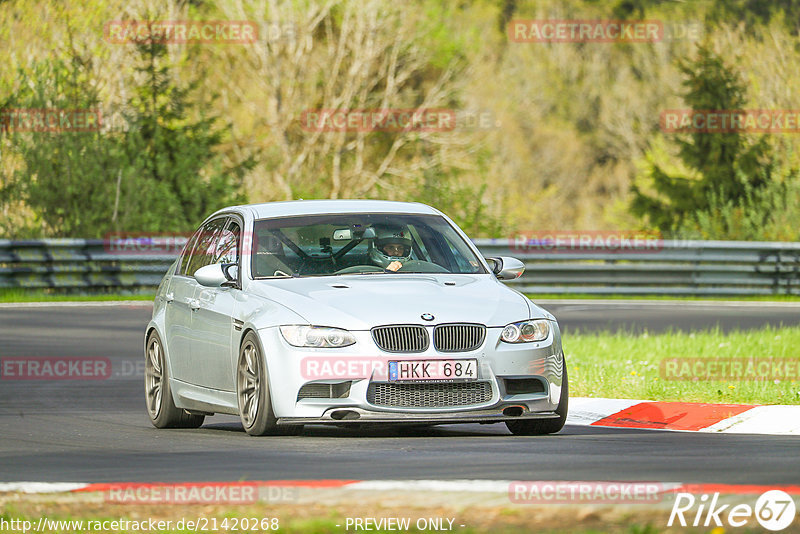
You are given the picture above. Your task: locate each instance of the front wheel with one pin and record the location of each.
(252, 392)
(538, 427)
(160, 406)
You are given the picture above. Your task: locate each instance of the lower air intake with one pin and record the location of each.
(439, 395)
(324, 391)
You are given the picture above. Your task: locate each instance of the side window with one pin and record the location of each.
(205, 246)
(187, 252)
(228, 246)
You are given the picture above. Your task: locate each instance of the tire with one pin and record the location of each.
(252, 392)
(157, 393)
(538, 427)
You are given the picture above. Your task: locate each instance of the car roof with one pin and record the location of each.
(321, 207)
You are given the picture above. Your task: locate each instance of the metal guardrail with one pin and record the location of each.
(78, 263)
(674, 268)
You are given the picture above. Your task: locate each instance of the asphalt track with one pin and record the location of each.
(98, 431)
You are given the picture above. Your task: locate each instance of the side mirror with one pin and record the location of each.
(231, 272)
(211, 275)
(506, 268)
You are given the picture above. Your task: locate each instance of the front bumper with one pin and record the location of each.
(498, 364)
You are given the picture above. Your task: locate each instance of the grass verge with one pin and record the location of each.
(43, 295)
(332, 518)
(663, 366)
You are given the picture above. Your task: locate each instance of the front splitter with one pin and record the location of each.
(359, 415)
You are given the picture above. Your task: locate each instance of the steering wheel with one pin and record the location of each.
(422, 267)
(359, 269)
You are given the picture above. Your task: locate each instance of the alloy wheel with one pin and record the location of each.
(154, 377)
(249, 383)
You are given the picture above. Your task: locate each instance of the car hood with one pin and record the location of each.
(359, 302)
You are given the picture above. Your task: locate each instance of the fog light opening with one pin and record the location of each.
(513, 411)
(344, 415)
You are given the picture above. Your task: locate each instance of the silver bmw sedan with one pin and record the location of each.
(348, 312)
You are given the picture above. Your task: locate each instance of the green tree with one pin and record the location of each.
(771, 214)
(65, 176)
(160, 171)
(726, 167)
(754, 12)
(462, 202)
(174, 175)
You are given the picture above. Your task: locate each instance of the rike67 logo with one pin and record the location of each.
(774, 510)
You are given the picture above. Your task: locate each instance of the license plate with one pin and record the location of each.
(429, 370)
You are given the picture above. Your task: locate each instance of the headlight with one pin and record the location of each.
(316, 336)
(526, 331)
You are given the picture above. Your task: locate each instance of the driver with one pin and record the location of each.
(391, 246)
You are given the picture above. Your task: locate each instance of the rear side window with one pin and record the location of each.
(187, 252)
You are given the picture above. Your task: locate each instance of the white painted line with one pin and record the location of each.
(696, 303)
(468, 485)
(775, 420)
(41, 487)
(475, 486)
(79, 304)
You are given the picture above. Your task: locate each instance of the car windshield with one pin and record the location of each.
(356, 244)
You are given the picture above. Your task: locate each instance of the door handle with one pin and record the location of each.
(169, 297)
(194, 304)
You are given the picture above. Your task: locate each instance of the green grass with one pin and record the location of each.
(43, 295)
(624, 365)
(586, 296)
